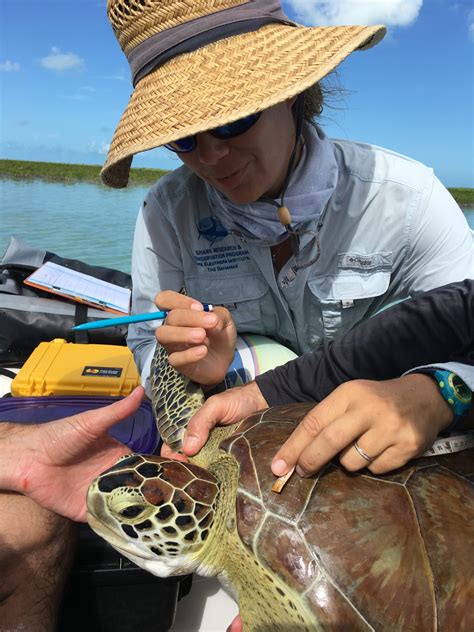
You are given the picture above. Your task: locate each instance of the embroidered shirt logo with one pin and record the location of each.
(211, 229)
(358, 261)
(218, 258)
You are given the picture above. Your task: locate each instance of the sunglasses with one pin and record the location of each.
(223, 132)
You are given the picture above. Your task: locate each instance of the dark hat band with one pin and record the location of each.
(192, 35)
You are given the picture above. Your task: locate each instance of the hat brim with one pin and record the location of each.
(225, 81)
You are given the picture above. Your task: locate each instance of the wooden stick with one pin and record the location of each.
(280, 483)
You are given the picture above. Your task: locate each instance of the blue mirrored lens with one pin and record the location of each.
(182, 145)
(236, 128)
(189, 143)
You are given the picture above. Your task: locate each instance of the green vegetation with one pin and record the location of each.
(464, 197)
(59, 172)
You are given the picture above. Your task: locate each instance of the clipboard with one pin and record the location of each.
(81, 288)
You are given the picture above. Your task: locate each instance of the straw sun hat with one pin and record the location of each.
(198, 64)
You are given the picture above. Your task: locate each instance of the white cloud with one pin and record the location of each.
(59, 62)
(327, 12)
(98, 147)
(470, 24)
(9, 66)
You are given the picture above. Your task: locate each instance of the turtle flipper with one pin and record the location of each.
(175, 398)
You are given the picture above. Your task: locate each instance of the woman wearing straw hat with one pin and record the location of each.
(297, 236)
(294, 235)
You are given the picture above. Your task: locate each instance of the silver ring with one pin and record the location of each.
(363, 454)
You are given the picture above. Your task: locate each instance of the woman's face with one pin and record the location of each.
(249, 166)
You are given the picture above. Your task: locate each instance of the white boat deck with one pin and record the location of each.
(207, 608)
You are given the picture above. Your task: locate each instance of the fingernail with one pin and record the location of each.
(197, 307)
(210, 319)
(301, 472)
(190, 443)
(280, 467)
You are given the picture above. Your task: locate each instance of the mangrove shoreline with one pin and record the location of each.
(71, 173)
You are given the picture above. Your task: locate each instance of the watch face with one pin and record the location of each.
(460, 388)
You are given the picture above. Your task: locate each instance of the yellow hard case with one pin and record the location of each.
(65, 368)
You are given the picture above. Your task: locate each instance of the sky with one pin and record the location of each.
(64, 81)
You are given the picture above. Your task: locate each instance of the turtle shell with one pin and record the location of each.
(389, 552)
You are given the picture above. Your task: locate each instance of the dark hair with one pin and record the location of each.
(313, 102)
(329, 93)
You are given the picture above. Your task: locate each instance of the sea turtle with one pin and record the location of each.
(337, 552)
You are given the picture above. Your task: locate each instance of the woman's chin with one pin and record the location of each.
(243, 194)
(240, 199)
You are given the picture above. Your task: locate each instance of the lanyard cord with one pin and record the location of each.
(284, 214)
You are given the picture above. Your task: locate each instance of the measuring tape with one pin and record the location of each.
(454, 443)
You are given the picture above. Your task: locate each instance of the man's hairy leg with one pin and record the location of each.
(36, 552)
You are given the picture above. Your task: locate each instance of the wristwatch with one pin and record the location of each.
(453, 389)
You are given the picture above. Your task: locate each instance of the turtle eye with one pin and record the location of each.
(132, 511)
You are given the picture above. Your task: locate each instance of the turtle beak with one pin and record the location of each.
(123, 545)
(138, 553)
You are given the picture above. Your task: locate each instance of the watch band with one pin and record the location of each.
(453, 389)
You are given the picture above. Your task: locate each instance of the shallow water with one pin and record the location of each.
(83, 221)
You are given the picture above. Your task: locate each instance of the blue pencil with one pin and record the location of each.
(126, 320)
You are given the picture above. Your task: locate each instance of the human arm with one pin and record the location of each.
(201, 345)
(392, 420)
(54, 463)
(435, 326)
(222, 409)
(409, 334)
(383, 415)
(439, 242)
(149, 272)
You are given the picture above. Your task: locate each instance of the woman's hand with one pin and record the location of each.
(200, 344)
(54, 463)
(223, 409)
(392, 422)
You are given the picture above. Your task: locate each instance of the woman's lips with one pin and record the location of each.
(234, 179)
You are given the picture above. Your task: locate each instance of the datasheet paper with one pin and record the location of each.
(81, 287)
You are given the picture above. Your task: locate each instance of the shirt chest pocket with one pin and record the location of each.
(247, 297)
(355, 292)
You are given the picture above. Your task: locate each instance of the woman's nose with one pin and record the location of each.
(211, 149)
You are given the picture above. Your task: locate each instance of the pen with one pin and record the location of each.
(126, 320)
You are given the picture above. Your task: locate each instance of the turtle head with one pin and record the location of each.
(155, 511)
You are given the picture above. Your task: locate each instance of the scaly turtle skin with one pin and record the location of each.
(336, 552)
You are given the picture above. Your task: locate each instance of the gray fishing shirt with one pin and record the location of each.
(390, 230)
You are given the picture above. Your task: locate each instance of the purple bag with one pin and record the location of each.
(138, 432)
